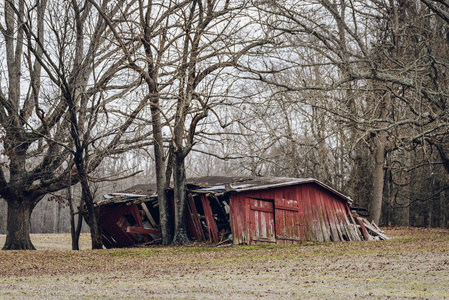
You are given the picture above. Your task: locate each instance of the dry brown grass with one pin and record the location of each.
(415, 264)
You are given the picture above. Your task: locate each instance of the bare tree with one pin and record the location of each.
(382, 71)
(73, 111)
(186, 46)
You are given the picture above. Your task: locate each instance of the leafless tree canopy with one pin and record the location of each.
(353, 93)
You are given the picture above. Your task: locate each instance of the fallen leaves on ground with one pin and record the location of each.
(414, 264)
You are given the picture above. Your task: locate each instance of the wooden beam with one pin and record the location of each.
(136, 215)
(149, 216)
(375, 230)
(196, 221)
(363, 228)
(209, 218)
(262, 239)
(264, 209)
(122, 223)
(283, 207)
(141, 230)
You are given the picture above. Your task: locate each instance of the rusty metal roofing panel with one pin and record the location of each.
(126, 195)
(280, 183)
(263, 183)
(234, 184)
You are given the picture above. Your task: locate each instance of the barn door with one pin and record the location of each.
(262, 221)
(288, 226)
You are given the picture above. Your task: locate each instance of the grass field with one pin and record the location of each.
(413, 265)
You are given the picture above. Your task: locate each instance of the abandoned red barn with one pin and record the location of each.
(244, 210)
(290, 212)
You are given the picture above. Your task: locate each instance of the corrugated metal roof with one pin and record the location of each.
(294, 182)
(242, 184)
(233, 184)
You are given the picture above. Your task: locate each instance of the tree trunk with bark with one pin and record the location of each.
(92, 219)
(378, 179)
(88, 199)
(75, 227)
(162, 171)
(18, 224)
(179, 181)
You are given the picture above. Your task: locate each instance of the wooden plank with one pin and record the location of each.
(247, 229)
(340, 218)
(279, 216)
(123, 223)
(233, 221)
(315, 214)
(294, 193)
(289, 208)
(350, 229)
(374, 230)
(149, 216)
(355, 236)
(377, 227)
(255, 220)
(141, 230)
(341, 209)
(365, 233)
(238, 219)
(261, 208)
(305, 214)
(269, 220)
(263, 239)
(195, 218)
(288, 238)
(209, 218)
(327, 226)
(235, 216)
(350, 215)
(135, 213)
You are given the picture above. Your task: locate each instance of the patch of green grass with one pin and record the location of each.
(197, 249)
(133, 252)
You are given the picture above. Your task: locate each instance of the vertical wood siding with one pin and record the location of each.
(290, 215)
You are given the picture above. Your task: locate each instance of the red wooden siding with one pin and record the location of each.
(122, 225)
(290, 215)
(287, 213)
(115, 223)
(194, 229)
(261, 221)
(212, 228)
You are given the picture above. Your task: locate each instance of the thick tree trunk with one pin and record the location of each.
(405, 216)
(162, 170)
(92, 220)
(179, 180)
(18, 225)
(88, 198)
(56, 217)
(164, 214)
(75, 227)
(378, 180)
(442, 209)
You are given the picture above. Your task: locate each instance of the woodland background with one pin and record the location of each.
(352, 93)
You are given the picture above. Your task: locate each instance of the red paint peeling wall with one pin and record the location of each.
(290, 215)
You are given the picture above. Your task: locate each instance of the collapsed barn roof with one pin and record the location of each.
(222, 184)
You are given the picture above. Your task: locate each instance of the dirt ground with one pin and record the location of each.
(413, 265)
